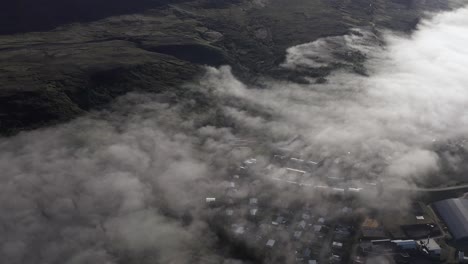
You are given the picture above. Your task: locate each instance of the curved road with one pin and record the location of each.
(463, 187)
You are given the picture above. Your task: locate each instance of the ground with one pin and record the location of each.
(53, 76)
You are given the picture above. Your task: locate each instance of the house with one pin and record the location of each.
(297, 234)
(250, 161)
(337, 245)
(359, 260)
(210, 200)
(238, 229)
(354, 190)
(430, 247)
(346, 210)
(305, 216)
(278, 221)
(270, 243)
(317, 228)
(302, 224)
(253, 212)
(378, 247)
(296, 171)
(372, 229)
(253, 201)
(335, 259)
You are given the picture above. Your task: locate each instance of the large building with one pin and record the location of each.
(454, 213)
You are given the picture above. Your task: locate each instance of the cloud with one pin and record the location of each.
(128, 184)
(331, 50)
(113, 185)
(414, 96)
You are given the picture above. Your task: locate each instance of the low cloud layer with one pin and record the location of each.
(128, 185)
(387, 122)
(124, 186)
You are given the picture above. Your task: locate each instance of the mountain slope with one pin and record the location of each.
(53, 76)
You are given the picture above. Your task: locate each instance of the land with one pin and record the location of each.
(333, 227)
(78, 63)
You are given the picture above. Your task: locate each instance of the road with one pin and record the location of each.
(439, 189)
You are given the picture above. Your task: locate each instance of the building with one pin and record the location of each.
(317, 228)
(431, 247)
(302, 224)
(454, 213)
(406, 244)
(297, 234)
(238, 229)
(279, 220)
(372, 229)
(253, 201)
(462, 258)
(337, 245)
(210, 200)
(270, 243)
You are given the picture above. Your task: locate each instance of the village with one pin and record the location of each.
(332, 227)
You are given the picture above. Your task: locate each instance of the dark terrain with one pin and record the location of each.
(113, 47)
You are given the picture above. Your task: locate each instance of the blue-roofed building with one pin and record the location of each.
(454, 213)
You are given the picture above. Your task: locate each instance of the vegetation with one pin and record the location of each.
(53, 76)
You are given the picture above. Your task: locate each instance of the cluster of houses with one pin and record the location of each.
(282, 234)
(300, 233)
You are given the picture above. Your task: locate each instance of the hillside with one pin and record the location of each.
(155, 46)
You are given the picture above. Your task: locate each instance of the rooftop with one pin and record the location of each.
(454, 213)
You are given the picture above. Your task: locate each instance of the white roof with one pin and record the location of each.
(210, 200)
(300, 160)
(251, 161)
(403, 241)
(279, 220)
(270, 243)
(346, 210)
(295, 170)
(431, 244)
(302, 224)
(337, 244)
(239, 230)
